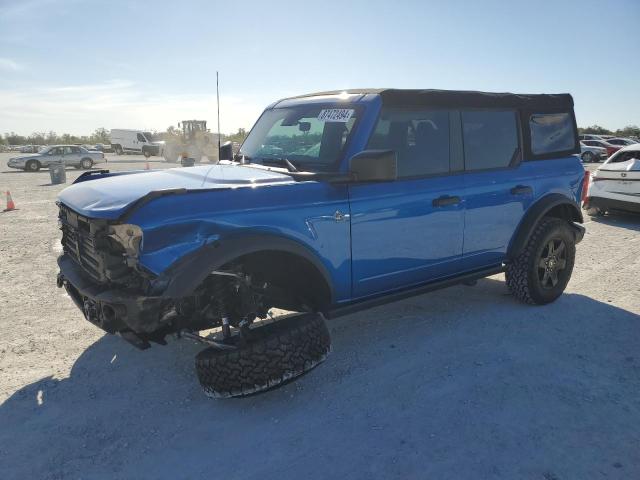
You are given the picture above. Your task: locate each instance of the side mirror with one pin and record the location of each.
(374, 166)
(226, 151)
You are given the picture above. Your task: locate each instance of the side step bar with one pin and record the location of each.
(341, 310)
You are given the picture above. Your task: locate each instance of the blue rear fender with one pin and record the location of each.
(201, 228)
(557, 192)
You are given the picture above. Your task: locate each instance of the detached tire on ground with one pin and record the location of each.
(542, 271)
(277, 352)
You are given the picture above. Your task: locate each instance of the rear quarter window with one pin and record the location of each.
(552, 132)
(490, 139)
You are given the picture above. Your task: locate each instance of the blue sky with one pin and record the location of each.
(72, 66)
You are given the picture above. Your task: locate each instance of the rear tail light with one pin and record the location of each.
(585, 185)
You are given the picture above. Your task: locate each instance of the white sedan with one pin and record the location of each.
(70, 155)
(615, 185)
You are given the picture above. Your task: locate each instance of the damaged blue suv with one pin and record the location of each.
(336, 201)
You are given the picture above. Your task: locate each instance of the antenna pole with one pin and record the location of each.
(218, 104)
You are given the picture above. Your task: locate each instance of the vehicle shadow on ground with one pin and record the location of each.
(620, 219)
(461, 383)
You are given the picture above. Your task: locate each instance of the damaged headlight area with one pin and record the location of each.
(129, 236)
(108, 253)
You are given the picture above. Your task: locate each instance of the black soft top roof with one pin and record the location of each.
(461, 98)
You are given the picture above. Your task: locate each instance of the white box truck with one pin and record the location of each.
(134, 141)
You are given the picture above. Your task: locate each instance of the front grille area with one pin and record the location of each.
(85, 240)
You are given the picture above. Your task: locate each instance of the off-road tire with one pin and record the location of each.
(276, 353)
(522, 273)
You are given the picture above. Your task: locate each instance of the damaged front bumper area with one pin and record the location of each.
(135, 317)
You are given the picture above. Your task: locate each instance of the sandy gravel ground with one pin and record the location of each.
(462, 383)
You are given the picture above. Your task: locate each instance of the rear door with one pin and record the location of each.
(409, 231)
(68, 155)
(498, 188)
(73, 157)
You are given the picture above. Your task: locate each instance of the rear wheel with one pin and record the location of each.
(86, 163)
(270, 356)
(542, 271)
(32, 166)
(118, 150)
(588, 157)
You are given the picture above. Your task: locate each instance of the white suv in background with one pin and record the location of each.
(615, 185)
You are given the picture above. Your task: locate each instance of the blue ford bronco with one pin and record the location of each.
(336, 201)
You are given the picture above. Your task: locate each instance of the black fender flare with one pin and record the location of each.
(184, 275)
(536, 212)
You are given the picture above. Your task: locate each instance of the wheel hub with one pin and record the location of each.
(552, 262)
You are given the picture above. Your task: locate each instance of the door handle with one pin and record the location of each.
(446, 200)
(521, 190)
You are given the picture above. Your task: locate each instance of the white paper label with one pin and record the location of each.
(336, 115)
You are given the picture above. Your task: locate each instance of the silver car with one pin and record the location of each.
(70, 155)
(592, 154)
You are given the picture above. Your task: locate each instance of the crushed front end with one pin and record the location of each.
(98, 269)
(101, 272)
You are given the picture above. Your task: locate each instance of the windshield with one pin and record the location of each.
(311, 137)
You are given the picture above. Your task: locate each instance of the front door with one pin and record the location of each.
(409, 231)
(54, 154)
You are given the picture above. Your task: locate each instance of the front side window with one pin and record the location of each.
(311, 137)
(551, 132)
(420, 139)
(66, 151)
(141, 138)
(490, 139)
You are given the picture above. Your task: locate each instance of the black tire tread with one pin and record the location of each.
(279, 352)
(517, 271)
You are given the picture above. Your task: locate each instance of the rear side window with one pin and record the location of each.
(419, 137)
(551, 132)
(490, 139)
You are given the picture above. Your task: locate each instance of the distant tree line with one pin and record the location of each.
(628, 131)
(100, 135)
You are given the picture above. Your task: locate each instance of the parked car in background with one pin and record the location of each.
(621, 142)
(71, 155)
(592, 154)
(102, 147)
(615, 185)
(611, 149)
(134, 141)
(30, 148)
(589, 136)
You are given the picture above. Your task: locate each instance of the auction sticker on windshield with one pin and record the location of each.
(336, 115)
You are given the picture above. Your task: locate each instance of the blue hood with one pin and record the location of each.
(109, 196)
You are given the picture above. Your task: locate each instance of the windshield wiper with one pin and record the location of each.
(281, 161)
